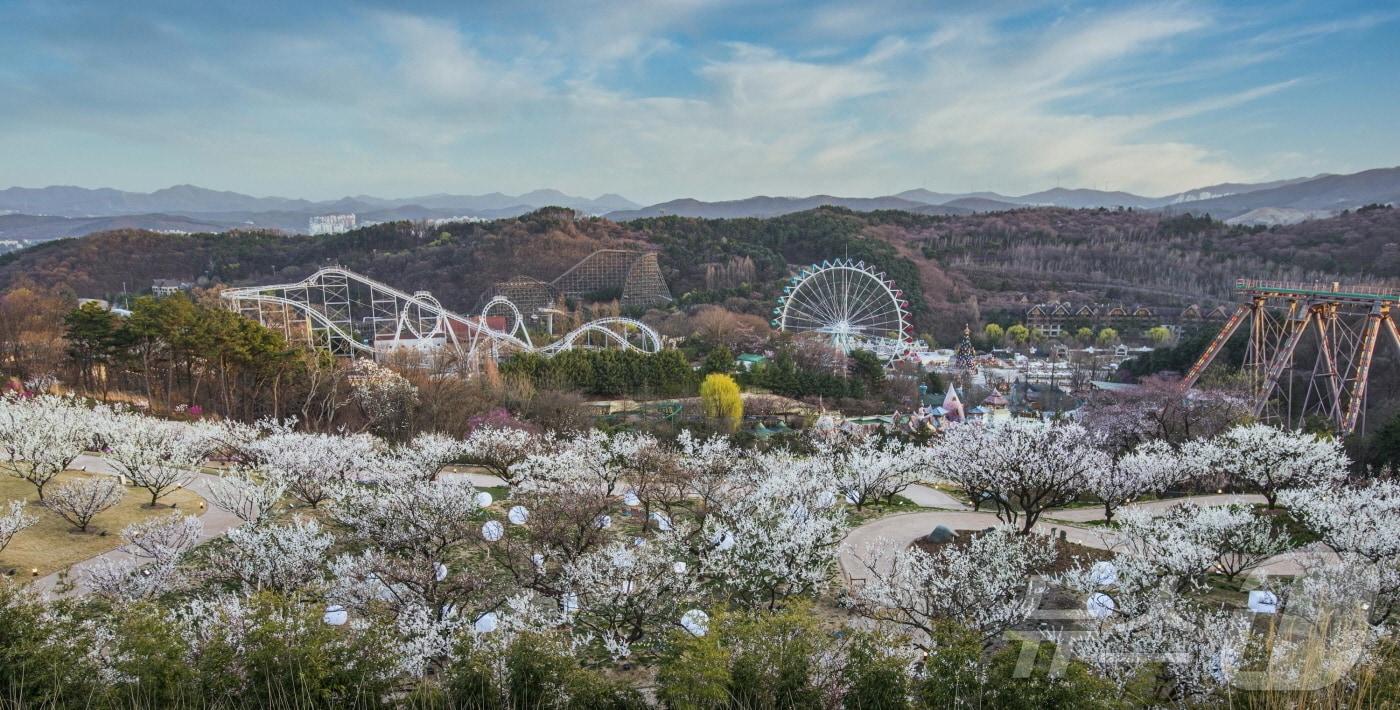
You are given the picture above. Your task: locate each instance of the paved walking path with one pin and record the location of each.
(883, 536)
(1084, 515)
(930, 497)
(216, 522)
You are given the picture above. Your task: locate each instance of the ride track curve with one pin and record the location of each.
(328, 306)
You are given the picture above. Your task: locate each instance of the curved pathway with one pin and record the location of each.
(894, 532)
(1089, 513)
(216, 522)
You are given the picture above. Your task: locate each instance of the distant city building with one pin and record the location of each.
(332, 223)
(169, 287)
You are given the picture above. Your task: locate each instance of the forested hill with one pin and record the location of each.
(955, 268)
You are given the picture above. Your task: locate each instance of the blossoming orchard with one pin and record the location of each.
(997, 561)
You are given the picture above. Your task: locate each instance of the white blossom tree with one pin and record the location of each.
(1184, 543)
(414, 536)
(1150, 468)
(248, 496)
(284, 558)
(160, 456)
(156, 546)
(1361, 524)
(426, 454)
(81, 500)
(985, 584)
(625, 594)
(1024, 466)
(14, 522)
(1270, 459)
(311, 465)
(41, 436)
(868, 469)
(383, 396)
(1147, 615)
(777, 537)
(499, 449)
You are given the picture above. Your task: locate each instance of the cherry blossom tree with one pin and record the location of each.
(383, 396)
(1024, 466)
(311, 465)
(1271, 459)
(1361, 524)
(1159, 409)
(590, 461)
(623, 595)
(426, 454)
(41, 436)
(157, 455)
(246, 495)
(984, 584)
(156, 547)
(1229, 539)
(1150, 468)
(414, 536)
(777, 537)
(80, 501)
(14, 522)
(1146, 614)
(499, 449)
(868, 469)
(284, 558)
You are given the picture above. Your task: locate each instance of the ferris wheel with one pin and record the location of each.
(855, 306)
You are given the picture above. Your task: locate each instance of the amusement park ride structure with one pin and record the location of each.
(348, 314)
(1338, 327)
(850, 303)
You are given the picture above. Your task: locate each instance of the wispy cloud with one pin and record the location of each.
(713, 99)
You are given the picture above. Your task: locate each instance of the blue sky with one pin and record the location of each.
(714, 100)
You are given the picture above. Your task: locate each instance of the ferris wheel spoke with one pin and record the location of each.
(864, 299)
(874, 301)
(815, 303)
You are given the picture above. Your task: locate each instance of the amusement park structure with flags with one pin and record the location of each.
(349, 314)
(854, 305)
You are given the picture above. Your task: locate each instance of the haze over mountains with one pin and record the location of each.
(37, 214)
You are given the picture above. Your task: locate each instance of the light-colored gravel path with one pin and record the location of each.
(929, 497)
(1084, 515)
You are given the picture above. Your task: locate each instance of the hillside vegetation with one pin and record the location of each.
(953, 268)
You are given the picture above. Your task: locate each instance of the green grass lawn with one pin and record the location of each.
(53, 543)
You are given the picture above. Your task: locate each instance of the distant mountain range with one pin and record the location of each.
(37, 214)
(1281, 200)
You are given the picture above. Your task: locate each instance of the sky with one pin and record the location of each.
(693, 98)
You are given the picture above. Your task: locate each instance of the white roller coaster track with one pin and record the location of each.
(325, 302)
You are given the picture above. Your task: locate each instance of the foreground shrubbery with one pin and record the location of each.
(615, 570)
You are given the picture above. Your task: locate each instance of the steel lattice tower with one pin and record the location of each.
(1340, 324)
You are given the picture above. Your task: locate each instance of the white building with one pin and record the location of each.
(332, 224)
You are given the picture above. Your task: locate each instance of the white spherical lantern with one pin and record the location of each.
(486, 623)
(696, 622)
(518, 515)
(493, 530)
(483, 499)
(336, 615)
(1100, 605)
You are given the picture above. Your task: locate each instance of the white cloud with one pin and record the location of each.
(603, 95)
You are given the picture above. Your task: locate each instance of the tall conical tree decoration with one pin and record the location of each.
(964, 355)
